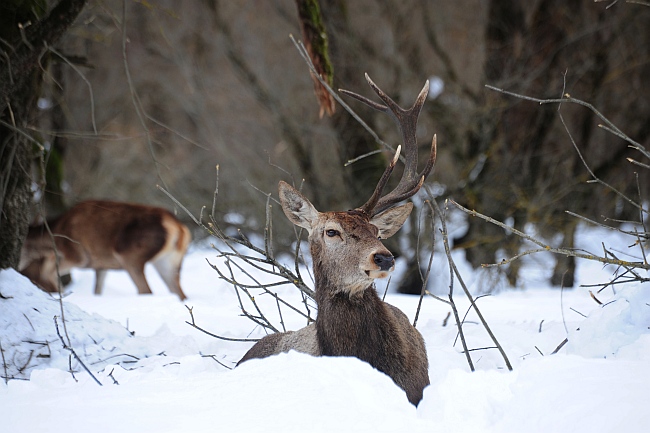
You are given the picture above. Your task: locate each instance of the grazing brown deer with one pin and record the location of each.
(347, 257)
(104, 235)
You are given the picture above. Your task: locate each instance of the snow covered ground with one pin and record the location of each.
(161, 375)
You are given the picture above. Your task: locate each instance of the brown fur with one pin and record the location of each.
(352, 320)
(105, 235)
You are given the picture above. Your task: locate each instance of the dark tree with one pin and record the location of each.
(531, 173)
(27, 29)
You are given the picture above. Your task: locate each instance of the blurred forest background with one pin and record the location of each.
(140, 93)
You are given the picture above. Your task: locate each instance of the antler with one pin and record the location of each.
(406, 120)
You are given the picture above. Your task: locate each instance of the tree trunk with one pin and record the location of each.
(20, 78)
(15, 161)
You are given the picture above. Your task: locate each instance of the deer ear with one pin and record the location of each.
(391, 220)
(296, 207)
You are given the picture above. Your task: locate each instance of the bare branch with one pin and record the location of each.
(464, 287)
(73, 353)
(567, 98)
(195, 326)
(608, 126)
(545, 247)
(83, 77)
(425, 278)
(305, 55)
(4, 363)
(135, 98)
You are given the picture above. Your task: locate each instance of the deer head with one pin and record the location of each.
(345, 246)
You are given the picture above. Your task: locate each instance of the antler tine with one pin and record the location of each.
(410, 187)
(406, 120)
(372, 202)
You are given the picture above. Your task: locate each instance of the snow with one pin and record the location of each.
(159, 374)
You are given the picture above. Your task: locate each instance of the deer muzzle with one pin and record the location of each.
(384, 261)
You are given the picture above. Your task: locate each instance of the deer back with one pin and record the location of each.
(303, 340)
(102, 235)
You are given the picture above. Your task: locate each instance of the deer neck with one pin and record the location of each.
(357, 324)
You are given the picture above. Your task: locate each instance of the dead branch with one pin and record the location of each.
(254, 257)
(546, 247)
(608, 257)
(73, 353)
(425, 277)
(471, 299)
(607, 126)
(135, 98)
(4, 363)
(305, 55)
(560, 346)
(195, 326)
(452, 304)
(214, 358)
(83, 77)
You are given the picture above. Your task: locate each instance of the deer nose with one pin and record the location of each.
(384, 261)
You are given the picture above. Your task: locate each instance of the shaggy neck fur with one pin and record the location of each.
(360, 324)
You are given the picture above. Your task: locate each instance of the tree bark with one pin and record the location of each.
(20, 78)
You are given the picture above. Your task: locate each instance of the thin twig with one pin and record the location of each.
(261, 319)
(135, 98)
(4, 363)
(303, 53)
(277, 302)
(268, 230)
(471, 298)
(425, 277)
(195, 326)
(437, 298)
(560, 346)
(83, 77)
(608, 126)
(73, 353)
(464, 320)
(445, 240)
(568, 98)
(214, 358)
(215, 194)
(546, 247)
(173, 131)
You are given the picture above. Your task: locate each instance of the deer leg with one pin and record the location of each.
(169, 269)
(100, 277)
(136, 272)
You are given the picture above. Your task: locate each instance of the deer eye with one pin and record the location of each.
(332, 233)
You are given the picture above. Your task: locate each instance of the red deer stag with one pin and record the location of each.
(104, 235)
(347, 257)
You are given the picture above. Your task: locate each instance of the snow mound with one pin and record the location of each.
(291, 392)
(615, 326)
(29, 338)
